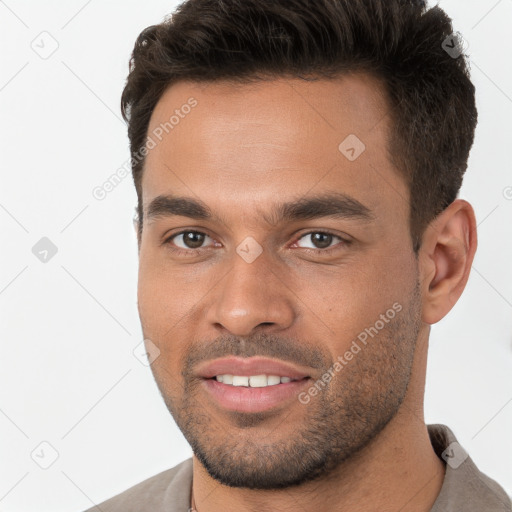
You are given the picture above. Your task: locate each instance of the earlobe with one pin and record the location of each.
(449, 247)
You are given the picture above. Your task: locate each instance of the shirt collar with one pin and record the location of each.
(464, 486)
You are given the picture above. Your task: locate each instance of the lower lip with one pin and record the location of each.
(247, 399)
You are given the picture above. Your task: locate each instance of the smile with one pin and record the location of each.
(252, 381)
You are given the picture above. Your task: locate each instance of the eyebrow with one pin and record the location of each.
(335, 205)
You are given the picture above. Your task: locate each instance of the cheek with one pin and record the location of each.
(342, 302)
(150, 291)
(160, 303)
(169, 298)
(160, 311)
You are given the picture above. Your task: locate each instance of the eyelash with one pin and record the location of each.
(193, 252)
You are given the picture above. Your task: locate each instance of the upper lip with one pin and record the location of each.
(249, 366)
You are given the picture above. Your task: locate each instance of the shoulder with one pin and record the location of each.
(166, 491)
(464, 487)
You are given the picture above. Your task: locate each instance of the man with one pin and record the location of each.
(297, 166)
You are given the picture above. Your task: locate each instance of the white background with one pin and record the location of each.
(69, 326)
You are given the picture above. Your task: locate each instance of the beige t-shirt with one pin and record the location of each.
(464, 489)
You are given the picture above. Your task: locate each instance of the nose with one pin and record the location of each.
(251, 296)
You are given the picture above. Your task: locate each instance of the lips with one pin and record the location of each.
(250, 366)
(242, 398)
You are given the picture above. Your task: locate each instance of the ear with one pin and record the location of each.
(446, 255)
(136, 226)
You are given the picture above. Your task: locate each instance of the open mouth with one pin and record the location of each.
(254, 381)
(254, 393)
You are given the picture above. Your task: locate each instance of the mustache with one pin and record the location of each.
(261, 344)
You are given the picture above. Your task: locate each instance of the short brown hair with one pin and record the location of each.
(401, 42)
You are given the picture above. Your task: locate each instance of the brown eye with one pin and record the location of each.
(189, 239)
(319, 239)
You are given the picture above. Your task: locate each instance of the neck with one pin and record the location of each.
(397, 470)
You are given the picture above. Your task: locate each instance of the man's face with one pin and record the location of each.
(327, 290)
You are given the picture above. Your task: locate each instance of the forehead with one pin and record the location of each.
(253, 143)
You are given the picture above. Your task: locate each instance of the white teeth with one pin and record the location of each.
(239, 380)
(258, 381)
(273, 379)
(254, 381)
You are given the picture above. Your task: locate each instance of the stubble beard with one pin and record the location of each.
(337, 423)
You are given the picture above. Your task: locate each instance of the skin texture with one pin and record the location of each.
(240, 151)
